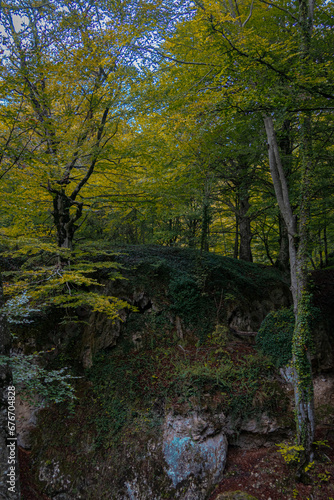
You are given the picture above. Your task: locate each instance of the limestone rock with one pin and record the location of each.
(100, 333)
(247, 315)
(256, 432)
(26, 416)
(142, 301)
(323, 385)
(55, 480)
(323, 390)
(264, 425)
(323, 359)
(185, 463)
(195, 450)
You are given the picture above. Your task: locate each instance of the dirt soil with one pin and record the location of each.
(29, 490)
(264, 474)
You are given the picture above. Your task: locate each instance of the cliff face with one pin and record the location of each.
(166, 388)
(188, 294)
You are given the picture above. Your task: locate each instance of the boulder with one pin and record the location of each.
(195, 451)
(100, 333)
(247, 314)
(257, 432)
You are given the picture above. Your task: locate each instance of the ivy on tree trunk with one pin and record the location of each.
(298, 245)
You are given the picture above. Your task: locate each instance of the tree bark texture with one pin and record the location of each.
(282, 261)
(245, 251)
(64, 220)
(205, 226)
(298, 245)
(236, 237)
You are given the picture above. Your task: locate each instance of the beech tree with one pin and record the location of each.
(71, 129)
(71, 65)
(298, 232)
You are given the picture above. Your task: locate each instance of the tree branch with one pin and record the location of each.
(95, 156)
(280, 8)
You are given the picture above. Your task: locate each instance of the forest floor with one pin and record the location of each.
(260, 472)
(263, 473)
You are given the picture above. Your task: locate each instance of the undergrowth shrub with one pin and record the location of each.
(186, 297)
(35, 383)
(128, 389)
(191, 304)
(274, 337)
(242, 385)
(124, 387)
(290, 453)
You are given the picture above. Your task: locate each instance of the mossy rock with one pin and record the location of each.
(274, 337)
(235, 495)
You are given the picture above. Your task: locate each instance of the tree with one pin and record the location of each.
(71, 131)
(73, 66)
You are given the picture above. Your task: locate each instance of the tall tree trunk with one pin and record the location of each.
(320, 249)
(206, 213)
(282, 261)
(286, 147)
(298, 246)
(64, 220)
(325, 244)
(205, 226)
(192, 225)
(236, 237)
(245, 252)
(7, 439)
(301, 338)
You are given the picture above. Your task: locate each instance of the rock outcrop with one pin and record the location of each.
(177, 447)
(195, 451)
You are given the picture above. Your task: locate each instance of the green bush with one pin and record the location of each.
(192, 305)
(186, 297)
(243, 387)
(275, 336)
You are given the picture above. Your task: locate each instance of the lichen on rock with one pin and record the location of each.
(194, 447)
